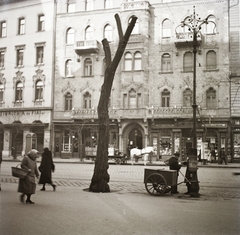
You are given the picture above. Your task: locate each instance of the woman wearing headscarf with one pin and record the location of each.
(27, 186)
(46, 168)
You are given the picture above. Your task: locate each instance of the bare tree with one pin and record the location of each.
(100, 179)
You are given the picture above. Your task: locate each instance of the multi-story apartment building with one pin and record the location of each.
(151, 99)
(26, 75)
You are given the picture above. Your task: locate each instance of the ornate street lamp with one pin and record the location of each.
(194, 24)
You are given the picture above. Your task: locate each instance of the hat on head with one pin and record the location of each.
(32, 152)
(176, 154)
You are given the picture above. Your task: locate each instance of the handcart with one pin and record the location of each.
(159, 181)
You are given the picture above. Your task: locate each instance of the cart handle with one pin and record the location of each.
(185, 177)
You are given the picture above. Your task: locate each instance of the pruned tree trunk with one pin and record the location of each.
(100, 179)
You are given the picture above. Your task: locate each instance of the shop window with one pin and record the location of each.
(187, 98)
(166, 28)
(3, 29)
(68, 101)
(166, 62)
(66, 142)
(211, 101)
(70, 36)
(165, 98)
(188, 62)
(41, 23)
(211, 60)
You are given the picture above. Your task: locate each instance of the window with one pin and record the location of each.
(166, 62)
(19, 57)
(211, 98)
(128, 61)
(137, 61)
(165, 98)
(187, 98)
(69, 68)
(3, 29)
(89, 33)
(71, 7)
(89, 5)
(87, 100)
(21, 26)
(132, 100)
(39, 55)
(41, 23)
(188, 62)
(2, 55)
(70, 36)
(68, 101)
(19, 92)
(1, 92)
(88, 67)
(136, 27)
(108, 32)
(108, 4)
(210, 27)
(166, 28)
(66, 141)
(211, 60)
(39, 90)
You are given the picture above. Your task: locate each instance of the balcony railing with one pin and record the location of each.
(141, 5)
(186, 38)
(87, 46)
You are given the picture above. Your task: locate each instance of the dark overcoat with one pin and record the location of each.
(46, 167)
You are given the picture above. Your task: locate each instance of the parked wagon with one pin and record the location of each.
(159, 181)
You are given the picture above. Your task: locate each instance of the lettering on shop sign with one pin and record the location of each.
(20, 113)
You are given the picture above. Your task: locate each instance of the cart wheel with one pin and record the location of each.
(156, 184)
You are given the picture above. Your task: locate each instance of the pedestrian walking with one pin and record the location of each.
(46, 168)
(27, 186)
(174, 165)
(222, 156)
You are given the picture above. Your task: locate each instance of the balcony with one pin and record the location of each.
(186, 39)
(87, 46)
(130, 6)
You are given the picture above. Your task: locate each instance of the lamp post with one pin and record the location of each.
(194, 25)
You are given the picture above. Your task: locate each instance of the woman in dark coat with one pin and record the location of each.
(27, 186)
(46, 168)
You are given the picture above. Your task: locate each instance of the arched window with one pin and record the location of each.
(210, 27)
(187, 98)
(68, 101)
(87, 100)
(70, 36)
(108, 32)
(136, 27)
(89, 33)
(39, 90)
(128, 61)
(132, 99)
(211, 60)
(19, 92)
(166, 62)
(69, 68)
(1, 92)
(188, 62)
(211, 101)
(166, 28)
(88, 67)
(137, 61)
(165, 98)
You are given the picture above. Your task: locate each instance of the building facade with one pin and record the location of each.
(151, 99)
(26, 75)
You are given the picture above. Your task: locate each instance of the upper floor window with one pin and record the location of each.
(108, 32)
(88, 67)
(1, 92)
(137, 61)
(166, 28)
(136, 27)
(128, 61)
(3, 29)
(132, 100)
(89, 33)
(210, 27)
(187, 98)
(87, 100)
(211, 101)
(39, 55)
(188, 62)
(41, 22)
(70, 36)
(19, 92)
(71, 7)
(21, 26)
(68, 101)
(211, 60)
(166, 62)
(108, 4)
(165, 98)
(39, 90)
(2, 56)
(89, 5)
(69, 68)
(19, 61)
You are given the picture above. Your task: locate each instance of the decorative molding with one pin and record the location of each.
(39, 76)
(18, 78)
(132, 85)
(87, 86)
(68, 87)
(165, 83)
(2, 79)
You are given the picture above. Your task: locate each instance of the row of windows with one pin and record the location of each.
(21, 29)
(133, 100)
(38, 93)
(20, 55)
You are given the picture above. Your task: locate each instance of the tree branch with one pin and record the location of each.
(119, 26)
